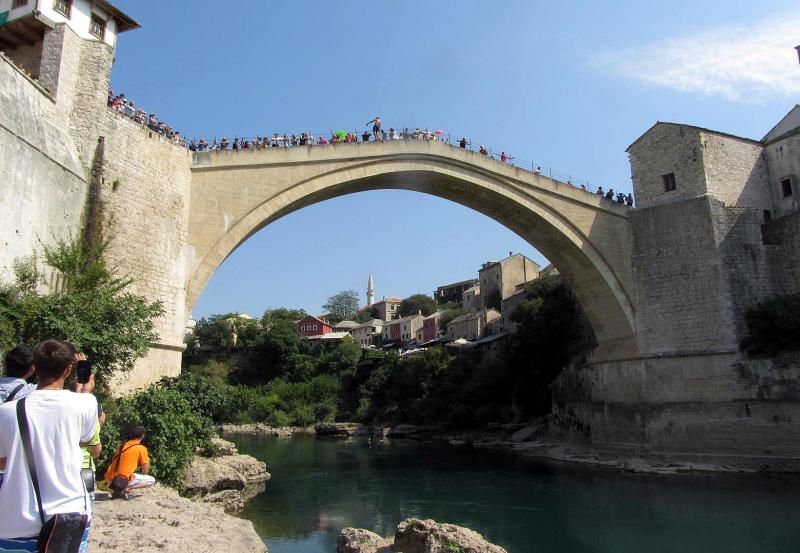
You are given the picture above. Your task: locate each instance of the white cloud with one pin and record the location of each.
(741, 63)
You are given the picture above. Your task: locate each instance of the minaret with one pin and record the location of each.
(370, 291)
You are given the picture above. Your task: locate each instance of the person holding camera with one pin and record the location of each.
(130, 457)
(43, 501)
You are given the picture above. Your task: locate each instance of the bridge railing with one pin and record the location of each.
(452, 140)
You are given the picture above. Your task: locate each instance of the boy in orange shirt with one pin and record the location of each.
(127, 459)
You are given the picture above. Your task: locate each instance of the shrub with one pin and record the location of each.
(174, 430)
(204, 399)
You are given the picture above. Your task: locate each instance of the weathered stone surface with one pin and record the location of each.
(416, 536)
(223, 447)
(226, 481)
(428, 536)
(158, 520)
(258, 429)
(354, 540)
(531, 431)
(248, 466)
(341, 429)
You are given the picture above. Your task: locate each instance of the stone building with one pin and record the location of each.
(387, 309)
(402, 330)
(471, 325)
(368, 333)
(471, 298)
(507, 308)
(499, 279)
(452, 293)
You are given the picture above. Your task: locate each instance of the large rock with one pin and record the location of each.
(416, 536)
(258, 429)
(428, 536)
(340, 429)
(252, 469)
(354, 540)
(226, 481)
(158, 520)
(206, 475)
(223, 447)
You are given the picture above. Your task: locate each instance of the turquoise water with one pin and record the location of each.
(320, 486)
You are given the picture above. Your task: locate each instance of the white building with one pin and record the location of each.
(24, 25)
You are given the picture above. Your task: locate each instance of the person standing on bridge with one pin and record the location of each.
(376, 128)
(462, 143)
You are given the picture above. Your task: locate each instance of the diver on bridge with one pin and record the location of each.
(376, 128)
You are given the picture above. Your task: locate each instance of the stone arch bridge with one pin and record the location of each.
(235, 193)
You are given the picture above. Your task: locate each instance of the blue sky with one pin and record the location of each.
(567, 85)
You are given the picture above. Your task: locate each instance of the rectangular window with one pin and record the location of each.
(315, 327)
(97, 27)
(669, 182)
(786, 187)
(63, 6)
(18, 4)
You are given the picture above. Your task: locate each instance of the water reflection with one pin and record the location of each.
(320, 486)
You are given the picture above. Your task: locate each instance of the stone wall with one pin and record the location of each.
(782, 244)
(667, 148)
(28, 58)
(783, 160)
(678, 281)
(735, 171)
(43, 186)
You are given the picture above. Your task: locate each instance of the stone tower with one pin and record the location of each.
(370, 291)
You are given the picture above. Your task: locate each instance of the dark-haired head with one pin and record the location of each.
(19, 362)
(136, 432)
(52, 359)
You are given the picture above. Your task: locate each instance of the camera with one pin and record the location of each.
(83, 371)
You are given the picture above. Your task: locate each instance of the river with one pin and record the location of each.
(320, 486)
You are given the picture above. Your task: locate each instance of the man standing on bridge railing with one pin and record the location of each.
(376, 128)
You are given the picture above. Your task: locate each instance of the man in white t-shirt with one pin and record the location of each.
(59, 421)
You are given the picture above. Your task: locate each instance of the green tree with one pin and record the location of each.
(342, 306)
(417, 303)
(281, 314)
(773, 326)
(94, 311)
(449, 315)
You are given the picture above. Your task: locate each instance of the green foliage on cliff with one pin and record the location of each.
(773, 326)
(92, 309)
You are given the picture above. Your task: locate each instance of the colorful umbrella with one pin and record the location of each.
(438, 132)
(341, 134)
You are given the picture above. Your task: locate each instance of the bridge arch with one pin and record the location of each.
(236, 194)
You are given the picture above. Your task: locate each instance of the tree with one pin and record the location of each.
(342, 306)
(281, 314)
(93, 311)
(417, 303)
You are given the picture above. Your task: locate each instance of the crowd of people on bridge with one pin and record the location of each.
(129, 109)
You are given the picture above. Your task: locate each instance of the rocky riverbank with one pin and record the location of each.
(261, 429)
(543, 440)
(158, 519)
(416, 536)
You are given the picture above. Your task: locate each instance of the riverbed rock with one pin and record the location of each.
(534, 430)
(158, 520)
(226, 481)
(341, 429)
(355, 540)
(428, 536)
(416, 536)
(406, 430)
(260, 429)
(222, 447)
